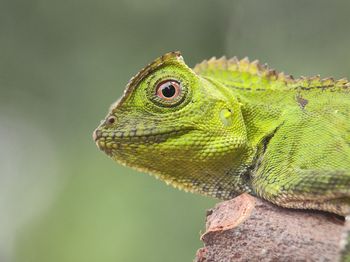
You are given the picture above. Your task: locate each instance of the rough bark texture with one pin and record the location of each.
(250, 229)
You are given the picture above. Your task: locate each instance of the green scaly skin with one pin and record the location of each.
(236, 127)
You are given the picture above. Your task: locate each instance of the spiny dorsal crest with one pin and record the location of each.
(209, 67)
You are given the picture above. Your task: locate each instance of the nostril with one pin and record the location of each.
(111, 120)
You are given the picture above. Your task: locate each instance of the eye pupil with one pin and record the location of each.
(168, 91)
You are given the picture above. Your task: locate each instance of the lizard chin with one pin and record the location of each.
(180, 157)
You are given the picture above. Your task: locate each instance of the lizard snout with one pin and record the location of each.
(96, 134)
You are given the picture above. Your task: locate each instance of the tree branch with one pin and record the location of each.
(250, 229)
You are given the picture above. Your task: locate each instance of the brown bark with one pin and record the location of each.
(250, 229)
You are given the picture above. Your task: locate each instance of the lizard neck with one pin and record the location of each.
(262, 117)
(261, 121)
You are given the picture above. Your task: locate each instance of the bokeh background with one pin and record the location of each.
(62, 63)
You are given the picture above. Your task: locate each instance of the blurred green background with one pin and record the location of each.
(62, 63)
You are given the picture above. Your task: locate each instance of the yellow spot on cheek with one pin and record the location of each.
(226, 117)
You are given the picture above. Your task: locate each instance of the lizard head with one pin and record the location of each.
(178, 126)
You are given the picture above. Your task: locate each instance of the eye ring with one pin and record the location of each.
(168, 90)
(176, 100)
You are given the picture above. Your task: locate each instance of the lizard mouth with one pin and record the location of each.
(110, 141)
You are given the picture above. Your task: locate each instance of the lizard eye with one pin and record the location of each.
(168, 89)
(168, 92)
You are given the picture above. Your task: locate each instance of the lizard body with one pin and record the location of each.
(230, 126)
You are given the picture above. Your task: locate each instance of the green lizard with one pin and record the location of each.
(233, 126)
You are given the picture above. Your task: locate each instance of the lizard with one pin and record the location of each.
(230, 126)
